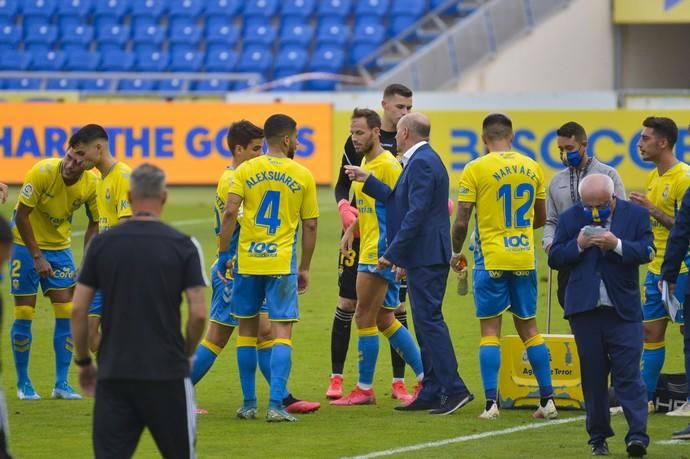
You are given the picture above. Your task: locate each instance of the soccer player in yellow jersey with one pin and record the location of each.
(666, 186)
(90, 145)
(507, 188)
(377, 290)
(53, 190)
(276, 194)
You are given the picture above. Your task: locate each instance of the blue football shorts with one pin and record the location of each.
(275, 294)
(496, 292)
(653, 308)
(25, 279)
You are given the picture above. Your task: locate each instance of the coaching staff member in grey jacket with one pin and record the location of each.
(563, 189)
(143, 267)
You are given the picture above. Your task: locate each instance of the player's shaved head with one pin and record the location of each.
(277, 127)
(147, 182)
(87, 135)
(497, 126)
(418, 124)
(596, 189)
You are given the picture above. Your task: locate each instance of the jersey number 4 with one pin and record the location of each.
(522, 191)
(267, 215)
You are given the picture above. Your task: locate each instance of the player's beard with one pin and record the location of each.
(291, 150)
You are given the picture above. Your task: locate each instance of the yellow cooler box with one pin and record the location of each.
(517, 386)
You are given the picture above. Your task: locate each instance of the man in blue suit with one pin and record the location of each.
(602, 241)
(418, 233)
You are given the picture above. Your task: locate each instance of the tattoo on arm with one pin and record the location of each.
(461, 225)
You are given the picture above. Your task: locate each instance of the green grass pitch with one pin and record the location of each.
(62, 429)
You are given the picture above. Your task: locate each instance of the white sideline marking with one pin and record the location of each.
(465, 438)
(194, 221)
(672, 442)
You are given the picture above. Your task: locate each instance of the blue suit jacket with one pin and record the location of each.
(630, 223)
(417, 223)
(677, 243)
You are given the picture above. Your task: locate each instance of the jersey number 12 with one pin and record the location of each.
(507, 193)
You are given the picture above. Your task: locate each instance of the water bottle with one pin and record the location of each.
(462, 287)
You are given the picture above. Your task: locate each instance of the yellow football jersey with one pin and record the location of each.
(503, 186)
(53, 203)
(277, 193)
(113, 202)
(222, 191)
(372, 213)
(666, 192)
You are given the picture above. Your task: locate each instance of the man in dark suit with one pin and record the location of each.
(418, 231)
(602, 241)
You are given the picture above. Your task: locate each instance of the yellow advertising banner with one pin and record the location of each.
(613, 137)
(651, 11)
(187, 140)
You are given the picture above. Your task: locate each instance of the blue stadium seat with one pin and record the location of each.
(23, 84)
(376, 8)
(174, 85)
(185, 8)
(332, 33)
(136, 85)
(215, 8)
(214, 85)
(327, 59)
(255, 59)
(259, 34)
(111, 8)
(104, 48)
(221, 32)
(35, 48)
(245, 84)
(286, 85)
(408, 7)
(62, 84)
(399, 23)
(9, 8)
(182, 32)
(369, 31)
(68, 21)
(78, 34)
(181, 48)
(302, 9)
(68, 48)
(44, 34)
(38, 8)
(10, 35)
(148, 8)
(50, 61)
(96, 85)
(15, 60)
(151, 61)
(84, 61)
(291, 60)
(219, 59)
(335, 8)
(149, 34)
(296, 34)
(115, 35)
(106, 21)
(76, 8)
(117, 61)
(359, 52)
(188, 61)
(260, 8)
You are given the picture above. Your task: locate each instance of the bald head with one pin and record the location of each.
(412, 128)
(596, 190)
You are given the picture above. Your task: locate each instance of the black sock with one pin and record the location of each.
(289, 400)
(396, 361)
(489, 404)
(544, 401)
(340, 339)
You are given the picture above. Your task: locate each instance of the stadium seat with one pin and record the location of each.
(241, 85)
(35, 48)
(110, 8)
(255, 59)
(408, 8)
(96, 85)
(83, 61)
(219, 59)
(117, 61)
(335, 8)
(115, 35)
(368, 31)
(68, 22)
(9, 9)
(23, 84)
(78, 34)
(327, 59)
(137, 85)
(38, 8)
(301, 9)
(188, 61)
(148, 8)
(215, 8)
(375, 8)
(184, 8)
(260, 8)
(10, 35)
(62, 84)
(332, 33)
(151, 61)
(174, 85)
(50, 61)
(44, 34)
(104, 48)
(181, 48)
(214, 85)
(75, 8)
(399, 23)
(359, 52)
(106, 21)
(286, 85)
(15, 60)
(150, 34)
(291, 60)
(221, 32)
(258, 33)
(183, 32)
(74, 47)
(296, 34)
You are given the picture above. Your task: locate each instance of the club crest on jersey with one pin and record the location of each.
(27, 190)
(107, 194)
(664, 195)
(76, 204)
